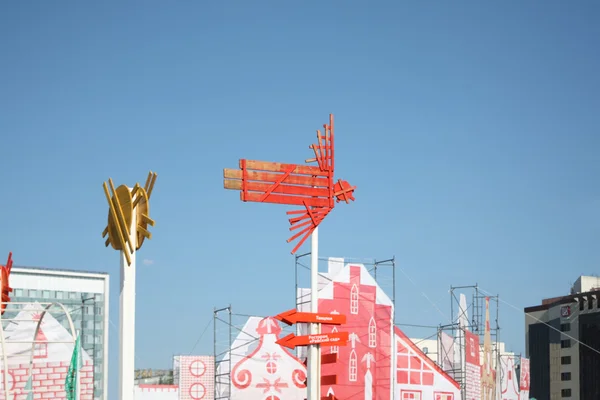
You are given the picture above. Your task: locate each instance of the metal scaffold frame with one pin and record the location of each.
(383, 271)
(222, 357)
(476, 325)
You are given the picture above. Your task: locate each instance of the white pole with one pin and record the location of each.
(314, 353)
(127, 318)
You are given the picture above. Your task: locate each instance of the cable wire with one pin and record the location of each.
(545, 323)
(201, 335)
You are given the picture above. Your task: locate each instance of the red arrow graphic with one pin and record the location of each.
(324, 339)
(292, 316)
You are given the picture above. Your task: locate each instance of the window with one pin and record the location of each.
(88, 310)
(372, 333)
(353, 367)
(565, 376)
(98, 310)
(18, 292)
(565, 360)
(40, 350)
(565, 393)
(565, 327)
(411, 369)
(410, 395)
(565, 344)
(33, 293)
(354, 300)
(72, 295)
(59, 295)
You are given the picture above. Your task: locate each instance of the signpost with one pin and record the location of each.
(292, 316)
(128, 220)
(311, 187)
(324, 339)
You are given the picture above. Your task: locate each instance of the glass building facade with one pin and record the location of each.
(84, 295)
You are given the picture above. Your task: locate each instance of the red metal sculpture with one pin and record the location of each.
(5, 287)
(312, 187)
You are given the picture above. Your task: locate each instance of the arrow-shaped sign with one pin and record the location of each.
(292, 316)
(324, 339)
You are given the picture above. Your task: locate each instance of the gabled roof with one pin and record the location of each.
(424, 357)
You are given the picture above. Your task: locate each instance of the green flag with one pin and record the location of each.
(72, 381)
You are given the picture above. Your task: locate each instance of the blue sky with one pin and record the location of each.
(470, 129)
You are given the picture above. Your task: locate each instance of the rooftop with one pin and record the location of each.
(21, 268)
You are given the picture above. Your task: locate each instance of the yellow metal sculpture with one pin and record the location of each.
(122, 204)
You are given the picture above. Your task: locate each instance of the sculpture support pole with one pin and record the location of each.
(314, 356)
(127, 318)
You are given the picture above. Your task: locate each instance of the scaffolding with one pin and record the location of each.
(475, 324)
(383, 271)
(222, 352)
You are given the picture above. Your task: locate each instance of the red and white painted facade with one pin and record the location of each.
(524, 383)
(50, 361)
(156, 392)
(509, 384)
(269, 372)
(365, 364)
(418, 377)
(196, 381)
(48, 380)
(473, 367)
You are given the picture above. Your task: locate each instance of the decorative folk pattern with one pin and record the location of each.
(269, 372)
(311, 187)
(196, 377)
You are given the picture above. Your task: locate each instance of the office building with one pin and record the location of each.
(562, 337)
(85, 296)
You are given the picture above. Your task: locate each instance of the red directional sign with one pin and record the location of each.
(292, 316)
(323, 339)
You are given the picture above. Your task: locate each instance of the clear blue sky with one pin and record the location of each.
(470, 129)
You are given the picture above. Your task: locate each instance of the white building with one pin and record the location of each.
(85, 295)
